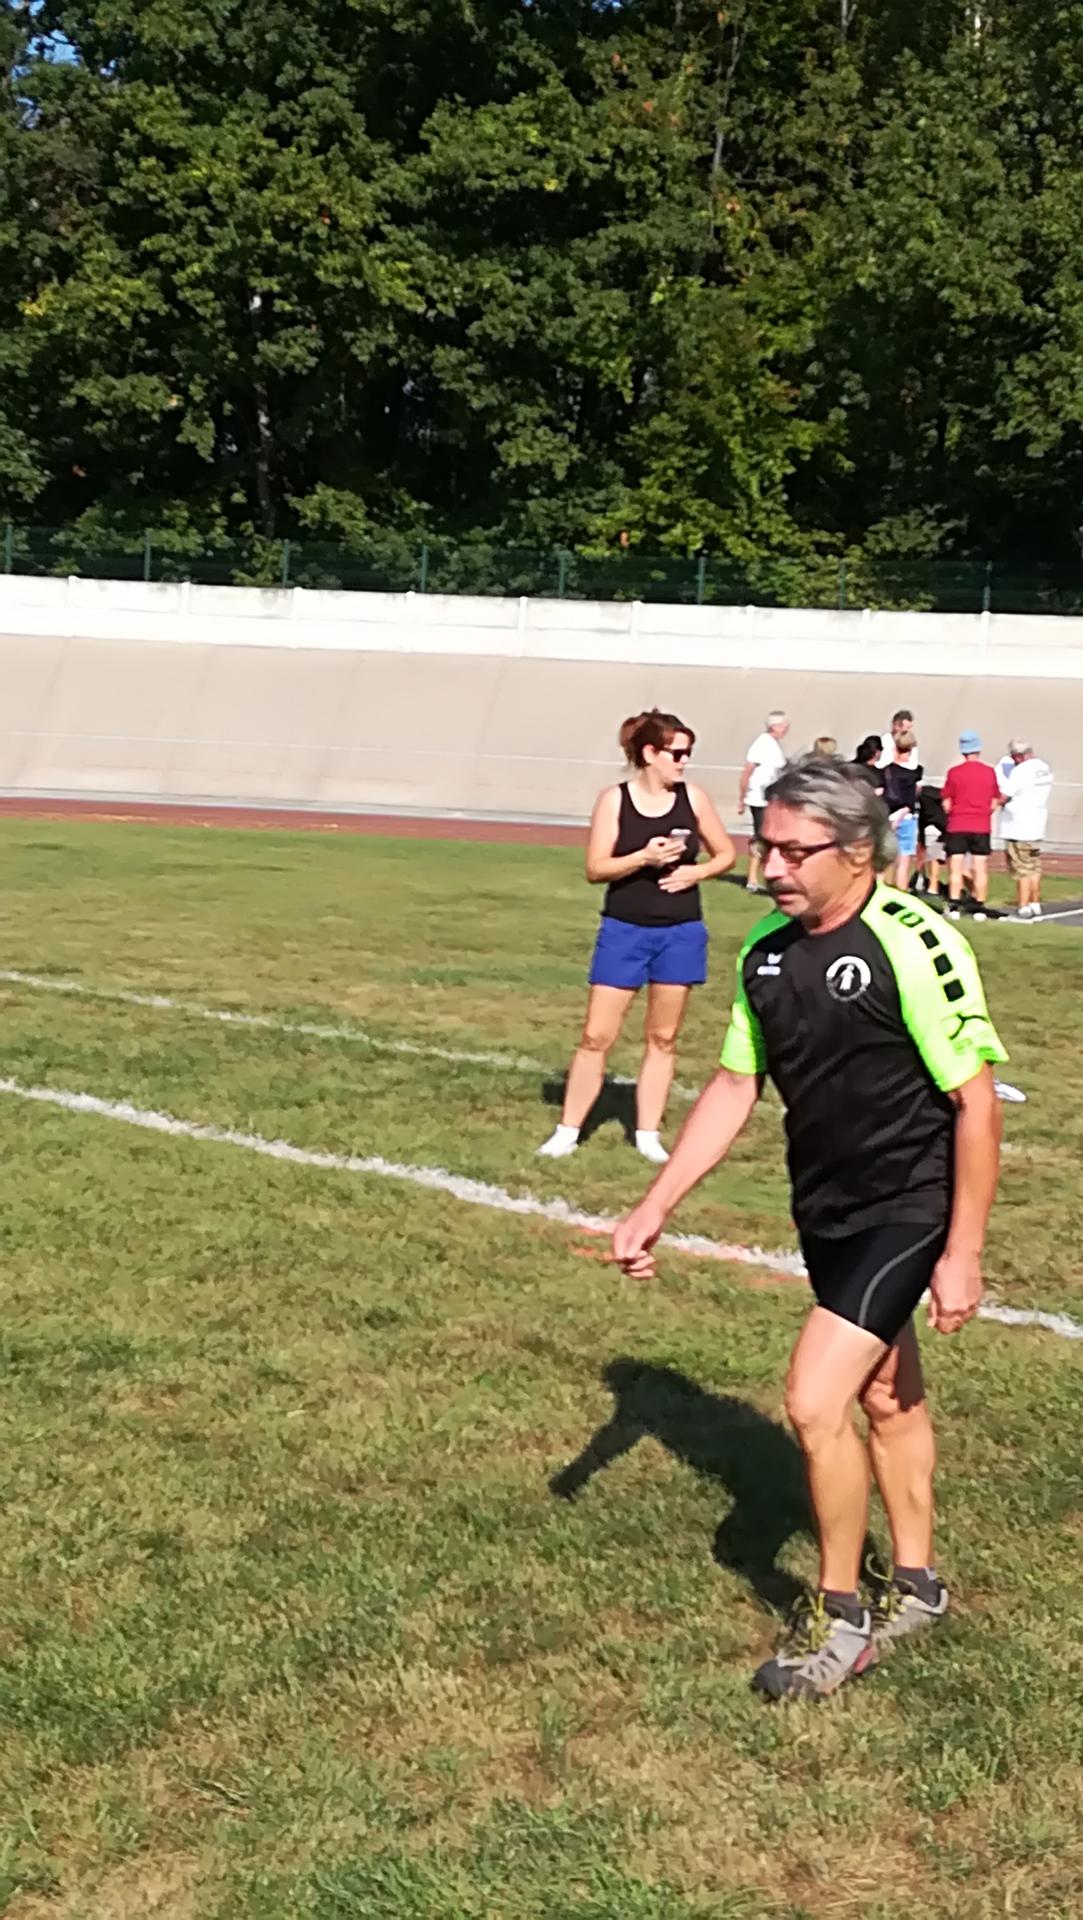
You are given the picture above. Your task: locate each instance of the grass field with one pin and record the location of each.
(292, 1623)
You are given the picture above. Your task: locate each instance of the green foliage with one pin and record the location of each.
(796, 281)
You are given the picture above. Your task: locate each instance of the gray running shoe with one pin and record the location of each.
(819, 1652)
(897, 1610)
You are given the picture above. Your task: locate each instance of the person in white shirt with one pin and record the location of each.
(1023, 821)
(764, 760)
(901, 723)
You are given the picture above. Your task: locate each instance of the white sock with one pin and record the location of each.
(650, 1146)
(563, 1140)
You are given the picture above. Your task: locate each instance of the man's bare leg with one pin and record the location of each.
(903, 1449)
(829, 1367)
(831, 1639)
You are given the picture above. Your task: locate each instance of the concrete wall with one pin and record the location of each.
(490, 706)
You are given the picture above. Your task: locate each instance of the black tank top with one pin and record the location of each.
(638, 897)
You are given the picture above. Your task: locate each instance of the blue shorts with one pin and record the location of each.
(906, 833)
(631, 957)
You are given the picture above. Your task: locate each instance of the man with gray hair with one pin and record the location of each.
(764, 759)
(1026, 785)
(867, 1012)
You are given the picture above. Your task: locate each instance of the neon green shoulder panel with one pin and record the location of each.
(743, 1050)
(940, 989)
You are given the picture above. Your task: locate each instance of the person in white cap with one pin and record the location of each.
(1026, 789)
(970, 797)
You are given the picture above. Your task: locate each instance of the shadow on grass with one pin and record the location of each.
(722, 1438)
(613, 1103)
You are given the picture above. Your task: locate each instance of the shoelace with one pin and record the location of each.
(888, 1600)
(810, 1626)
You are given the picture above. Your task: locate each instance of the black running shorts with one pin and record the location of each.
(874, 1278)
(967, 843)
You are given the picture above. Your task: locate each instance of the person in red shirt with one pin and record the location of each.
(971, 795)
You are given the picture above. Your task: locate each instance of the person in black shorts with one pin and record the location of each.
(932, 841)
(867, 1012)
(645, 840)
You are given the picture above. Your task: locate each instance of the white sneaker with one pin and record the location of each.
(1013, 1095)
(979, 915)
(561, 1142)
(650, 1146)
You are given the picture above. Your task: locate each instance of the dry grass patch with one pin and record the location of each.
(142, 1889)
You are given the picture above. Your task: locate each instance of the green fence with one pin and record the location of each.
(396, 564)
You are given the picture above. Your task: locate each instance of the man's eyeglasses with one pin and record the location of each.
(790, 851)
(679, 753)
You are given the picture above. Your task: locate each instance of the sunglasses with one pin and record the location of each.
(790, 852)
(678, 753)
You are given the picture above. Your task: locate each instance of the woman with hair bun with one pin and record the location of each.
(645, 840)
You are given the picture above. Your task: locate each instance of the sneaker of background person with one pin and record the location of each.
(650, 1146)
(562, 1141)
(821, 1650)
(1014, 1095)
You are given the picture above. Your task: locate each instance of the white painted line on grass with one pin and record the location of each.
(1047, 913)
(313, 1030)
(475, 1193)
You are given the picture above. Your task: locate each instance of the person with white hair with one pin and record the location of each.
(765, 758)
(1026, 789)
(867, 1012)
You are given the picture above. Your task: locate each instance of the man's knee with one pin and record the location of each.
(897, 1391)
(816, 1414)
(903, 1428)
(881, 1405)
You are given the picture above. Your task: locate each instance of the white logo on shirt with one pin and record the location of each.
(772, 965)
(848, 977)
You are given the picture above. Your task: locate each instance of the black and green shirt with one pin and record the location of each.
(865, 1031)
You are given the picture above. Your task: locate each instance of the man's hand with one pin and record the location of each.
(634, 1238)
(956, 1290)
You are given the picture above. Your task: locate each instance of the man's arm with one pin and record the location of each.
(957, 1283)
(705, 1138)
